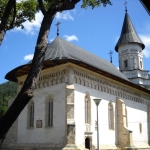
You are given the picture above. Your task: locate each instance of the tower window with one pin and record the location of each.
(125, 63)
(141, 64)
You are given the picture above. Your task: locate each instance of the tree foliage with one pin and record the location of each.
(7, 91)
(22, 11)
(13, 14)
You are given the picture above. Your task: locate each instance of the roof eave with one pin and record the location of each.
(52, 63)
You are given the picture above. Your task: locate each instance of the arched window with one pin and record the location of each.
(31, 115)
(111, 116)
(125, 63)
(140, 127)
(49, 112)
(87, 106)
(141, 66)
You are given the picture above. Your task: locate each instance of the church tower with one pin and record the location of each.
(129, 48)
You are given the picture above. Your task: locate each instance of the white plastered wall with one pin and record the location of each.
(136, 113)
(53, 135)
(106, 136)
(132, 52)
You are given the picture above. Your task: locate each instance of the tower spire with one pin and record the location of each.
(110, 53)
(128, 34)
(125, 3)
(57, 24)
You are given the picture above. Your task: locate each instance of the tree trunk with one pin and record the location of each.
(26, 92)
(4, 19)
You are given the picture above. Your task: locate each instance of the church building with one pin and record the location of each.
(62, 115)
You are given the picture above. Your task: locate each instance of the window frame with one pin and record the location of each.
(49, 112)
(30, 115)
(126, 63)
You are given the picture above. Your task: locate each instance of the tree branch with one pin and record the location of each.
(41, 5)
(14, 15)
(67, 5)
(4, 19)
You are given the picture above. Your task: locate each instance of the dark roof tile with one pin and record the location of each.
(128, 34)
(62, 49)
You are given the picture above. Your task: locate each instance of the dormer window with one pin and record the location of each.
(125, 63)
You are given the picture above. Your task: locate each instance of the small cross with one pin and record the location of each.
(110, 53)
(125, 6)
(57, 24)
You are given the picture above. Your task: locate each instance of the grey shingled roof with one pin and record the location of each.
(62, 49)
(128, 34)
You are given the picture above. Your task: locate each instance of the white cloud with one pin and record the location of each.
(64, 15)
(32, 27)
(28, 57)
(117, 68)
(74, 11)
(51, 40)
(146, 40)
(80, 14)
(116, 39)
(18, 1)
(71, 38)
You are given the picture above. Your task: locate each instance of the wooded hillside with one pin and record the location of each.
(7, 91)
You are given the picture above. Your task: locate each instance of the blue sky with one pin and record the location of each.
(94, 30)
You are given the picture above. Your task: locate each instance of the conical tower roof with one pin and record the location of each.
(128, 33)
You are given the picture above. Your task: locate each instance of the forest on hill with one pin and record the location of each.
(7, 91)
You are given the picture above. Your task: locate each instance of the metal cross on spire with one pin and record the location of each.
(110, 53)
(126, 6)
(57, 24)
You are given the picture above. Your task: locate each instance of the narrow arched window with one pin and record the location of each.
(140, 127)
(50, 113)
(31, 114)
(125, 63)
(111, 116)
(141, 66)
